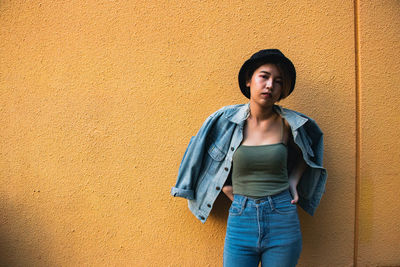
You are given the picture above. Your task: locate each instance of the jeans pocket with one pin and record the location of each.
(284, 207)
(236, 208)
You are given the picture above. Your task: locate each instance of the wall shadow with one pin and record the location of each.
(220, 209)
(22, 239)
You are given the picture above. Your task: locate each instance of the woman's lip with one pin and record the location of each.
(266, 95)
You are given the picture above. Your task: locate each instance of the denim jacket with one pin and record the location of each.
(207, 160)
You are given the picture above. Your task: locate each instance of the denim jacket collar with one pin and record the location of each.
(240, 115)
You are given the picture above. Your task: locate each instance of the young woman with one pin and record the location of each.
(265, 158)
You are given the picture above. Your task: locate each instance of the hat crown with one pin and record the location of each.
(267, 52)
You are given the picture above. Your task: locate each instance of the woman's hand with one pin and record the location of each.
(293, 191)
(228, 190)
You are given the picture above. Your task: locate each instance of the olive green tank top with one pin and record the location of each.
(260, 171)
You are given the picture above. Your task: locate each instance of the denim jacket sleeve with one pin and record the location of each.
(311, 187)
(190, 168)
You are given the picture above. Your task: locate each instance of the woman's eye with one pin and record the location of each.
(280, 82)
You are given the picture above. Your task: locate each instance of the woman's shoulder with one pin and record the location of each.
(230, 110)
(288, 111)
(295, 114)
(299, 119)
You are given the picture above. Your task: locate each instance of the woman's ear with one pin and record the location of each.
(248, 82)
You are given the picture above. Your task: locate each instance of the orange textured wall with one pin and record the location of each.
(99, 100)
(378, 236)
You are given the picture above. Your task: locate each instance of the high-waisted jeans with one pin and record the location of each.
(265, 229)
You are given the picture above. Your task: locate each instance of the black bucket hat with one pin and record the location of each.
(266, 55)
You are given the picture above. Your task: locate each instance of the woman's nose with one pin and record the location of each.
(269, 83)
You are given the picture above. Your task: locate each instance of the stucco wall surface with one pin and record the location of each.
(98, 100)
(379, 201)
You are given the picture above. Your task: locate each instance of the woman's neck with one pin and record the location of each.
(259, 113)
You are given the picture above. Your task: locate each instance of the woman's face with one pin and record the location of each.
(265, 85)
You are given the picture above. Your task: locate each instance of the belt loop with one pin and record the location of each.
(244, 202)
(271, 203)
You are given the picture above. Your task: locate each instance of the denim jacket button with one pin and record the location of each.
(226, 169)
(201, 217)
(218, 188)
(208, 205)
(232, 148)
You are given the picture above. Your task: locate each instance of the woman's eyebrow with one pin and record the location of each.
(264, 71)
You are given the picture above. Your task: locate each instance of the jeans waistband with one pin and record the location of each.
(281, 195)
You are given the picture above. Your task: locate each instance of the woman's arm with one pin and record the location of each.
(296, 166)
(294, 178)
(228, 190)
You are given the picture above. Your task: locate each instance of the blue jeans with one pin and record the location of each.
(266, 229)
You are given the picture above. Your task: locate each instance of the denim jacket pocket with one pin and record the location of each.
(216, 153)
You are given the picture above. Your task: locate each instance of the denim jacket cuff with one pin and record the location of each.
(185, 193)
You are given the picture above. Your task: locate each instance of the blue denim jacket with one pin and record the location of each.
(207, 160)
